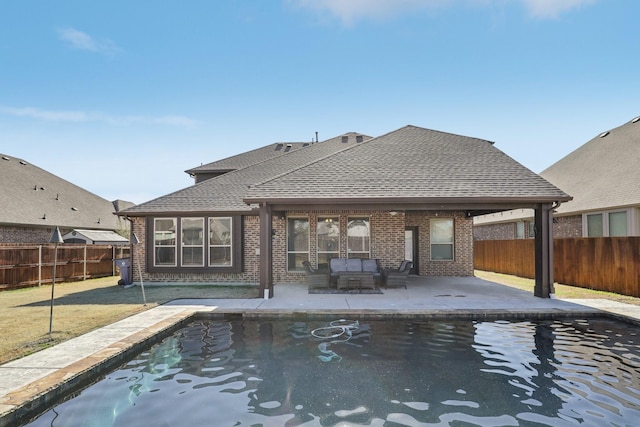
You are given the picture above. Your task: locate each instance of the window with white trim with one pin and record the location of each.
(297, 243)
(195, 244)
(192, 241)
(220, 253)
(328, 238)
(164, 242)
(606, 224)
(358, 237)
(441, 239)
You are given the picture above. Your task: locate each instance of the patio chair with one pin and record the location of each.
(316, 278)
(397, 277)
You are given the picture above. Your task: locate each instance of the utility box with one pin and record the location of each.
(124, 264)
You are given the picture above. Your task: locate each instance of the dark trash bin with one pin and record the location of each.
(124, 264)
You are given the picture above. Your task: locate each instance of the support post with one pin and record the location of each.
(266, 274)
(543, 251)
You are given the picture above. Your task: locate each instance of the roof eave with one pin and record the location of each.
(413, 203)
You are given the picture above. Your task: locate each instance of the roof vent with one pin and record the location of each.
(359, 138)
(74, 209)
(306, 144)
(5, 158)
(287, 148)
(603, 134)
(22, 162)
(345, 139)
(279, 147)
(636, 120)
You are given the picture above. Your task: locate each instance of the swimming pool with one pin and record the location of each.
(374, 373)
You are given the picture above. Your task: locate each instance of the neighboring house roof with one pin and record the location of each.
(602, 174)
(96, 236)
(249, 158)
(410, 164)
(33, 197)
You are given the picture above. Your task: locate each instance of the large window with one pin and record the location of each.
(164, 242)
(193, 242)
(220, 254)
(358, 237)
(328, 239)
(297, 243)
(607, 224)
(441, 232)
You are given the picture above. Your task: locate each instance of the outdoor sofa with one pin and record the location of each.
(355, 272)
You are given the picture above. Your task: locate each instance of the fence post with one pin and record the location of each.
(84, 272)
(113, 260)
(39, 265)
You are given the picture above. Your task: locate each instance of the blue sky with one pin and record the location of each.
(120, 97)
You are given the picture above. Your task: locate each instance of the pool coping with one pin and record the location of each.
(25, 403)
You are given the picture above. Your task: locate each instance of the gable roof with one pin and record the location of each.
(409, 165)
(225, 193)
(96, 236)
(604, 173)
(30, 196)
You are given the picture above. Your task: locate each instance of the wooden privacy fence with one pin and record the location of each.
(603, 263)
(32, 265)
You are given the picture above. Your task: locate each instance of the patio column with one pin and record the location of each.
(266, 276)
(543, 250)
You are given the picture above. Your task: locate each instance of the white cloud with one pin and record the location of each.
(349, 11)
(552, 8)
(80, 116)
(83, 41)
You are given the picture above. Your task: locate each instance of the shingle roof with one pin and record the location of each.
(410, 163)
(604, 173)
(225, 193)
(249, 158)
(30, 196)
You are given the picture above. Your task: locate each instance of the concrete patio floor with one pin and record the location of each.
(46, 376)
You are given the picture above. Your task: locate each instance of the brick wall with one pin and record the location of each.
(386, 244)
(249, 275)
(563, 227)
(462, 264)
(567, 226)
(503, 231)
(10, 234)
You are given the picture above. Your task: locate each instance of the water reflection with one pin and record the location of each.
(380, 373)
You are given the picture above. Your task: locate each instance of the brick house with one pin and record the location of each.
(602, 176)
(33, 202)
(411, 193)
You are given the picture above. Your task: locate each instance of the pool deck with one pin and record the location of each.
(45, 376)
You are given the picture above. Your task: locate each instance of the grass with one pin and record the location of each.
(562, 291)
(80, 307)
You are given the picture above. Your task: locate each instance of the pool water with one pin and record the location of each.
(372, 373)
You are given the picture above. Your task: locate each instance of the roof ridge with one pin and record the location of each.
(273, 144)
(347, 148)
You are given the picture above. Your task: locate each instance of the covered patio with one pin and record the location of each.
(424, 297)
